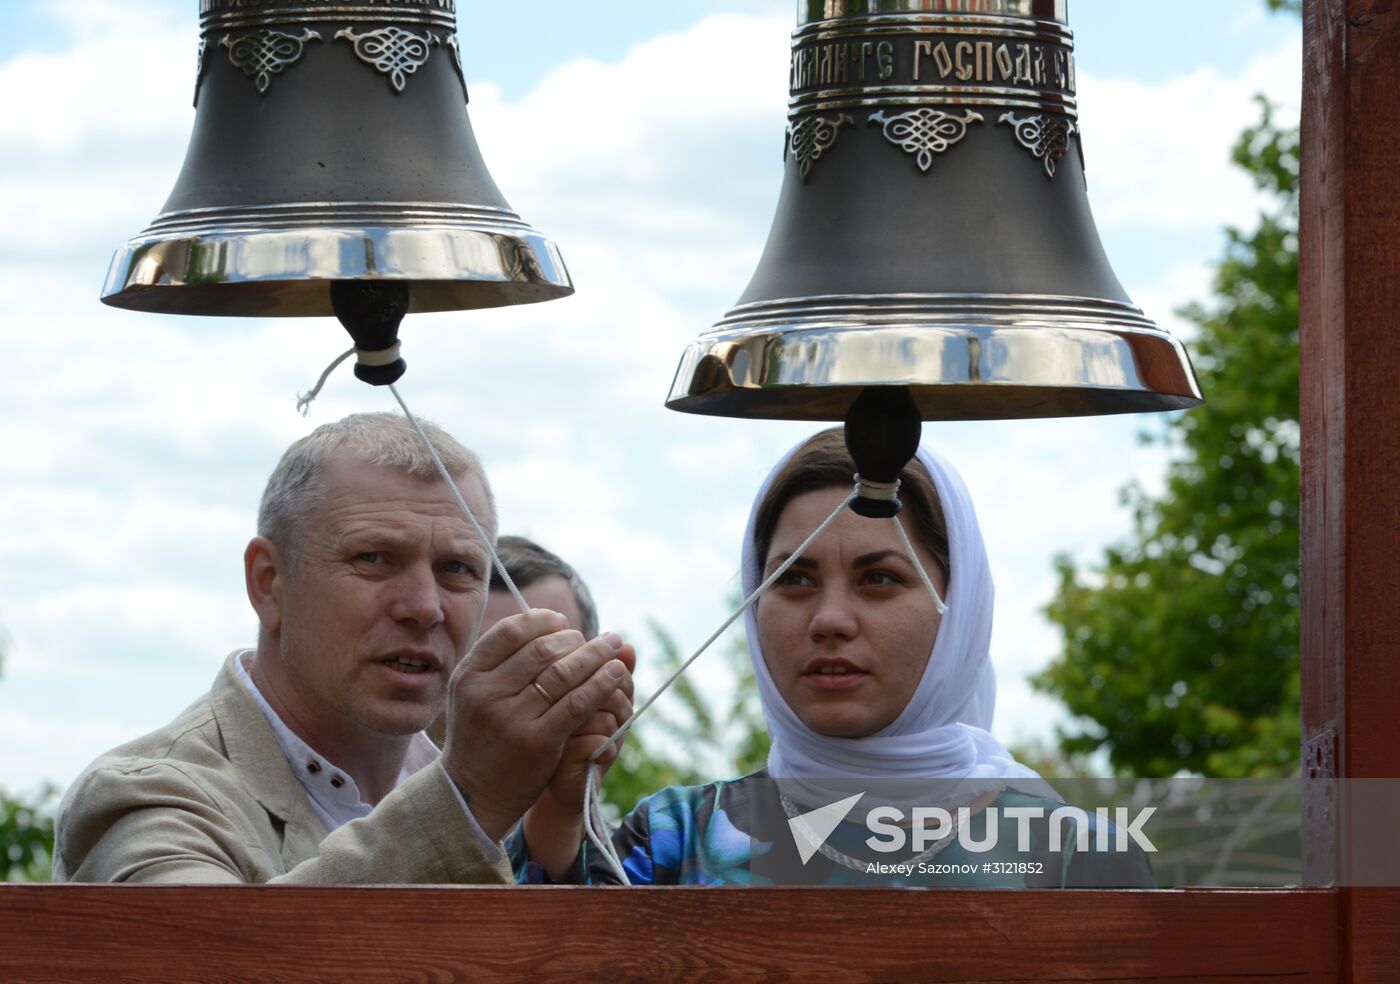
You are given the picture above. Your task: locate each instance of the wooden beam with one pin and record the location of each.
(273, 933)
(1350, 347)
(1350, 415)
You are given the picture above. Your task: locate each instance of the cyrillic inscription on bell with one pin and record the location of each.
(934, 232)
(331, 142)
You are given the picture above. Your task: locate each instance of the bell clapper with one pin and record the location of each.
(882, 435)
(371, 311)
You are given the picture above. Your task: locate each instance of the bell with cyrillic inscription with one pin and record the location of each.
(933, 232)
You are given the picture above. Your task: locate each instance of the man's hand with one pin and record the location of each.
(514, 702)
(566, 787)
(554, 823)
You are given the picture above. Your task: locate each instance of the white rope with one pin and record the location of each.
(304, 399)
(767, 583)
(918, 566)
(887, 492)
(384, 357)
(457, 494)
(595, 827)
(591, 808)
(365, 357)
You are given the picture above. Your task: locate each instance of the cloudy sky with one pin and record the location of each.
(133, 447)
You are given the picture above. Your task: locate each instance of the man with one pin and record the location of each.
(306, 761)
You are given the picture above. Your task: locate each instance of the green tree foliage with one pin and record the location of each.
(1181, 645)
(26, 837)
(683, 739)
(26, 830)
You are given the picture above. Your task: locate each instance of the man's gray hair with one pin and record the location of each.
(295, 489)
(527, 562)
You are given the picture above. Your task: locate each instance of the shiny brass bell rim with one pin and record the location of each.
(278, 260)
(963, 357)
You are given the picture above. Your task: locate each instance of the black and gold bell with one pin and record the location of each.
(331, 143)
(934, 233)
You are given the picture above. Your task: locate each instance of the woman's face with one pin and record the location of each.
(847, 630)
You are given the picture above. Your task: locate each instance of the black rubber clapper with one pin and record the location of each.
(882, 434)
(371, 311)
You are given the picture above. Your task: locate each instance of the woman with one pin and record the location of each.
(865, 689)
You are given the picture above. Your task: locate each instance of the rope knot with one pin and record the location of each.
(378, 357)
(868, 488)
(373, 358)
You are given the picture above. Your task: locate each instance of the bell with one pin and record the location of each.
(933, 233)
(331, 143)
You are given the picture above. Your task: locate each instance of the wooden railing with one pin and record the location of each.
(286, 934)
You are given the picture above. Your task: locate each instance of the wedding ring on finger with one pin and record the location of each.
(543, 692)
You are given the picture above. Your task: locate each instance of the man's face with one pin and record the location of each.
(551, 591)
(386, 596)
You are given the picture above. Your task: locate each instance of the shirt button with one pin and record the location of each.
(313, 767)
(337, 781)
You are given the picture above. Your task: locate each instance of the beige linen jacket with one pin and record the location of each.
(210, 798)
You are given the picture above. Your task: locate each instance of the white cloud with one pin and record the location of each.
(78, 621)
(93, 135)
(1159, 155)
(57, 746)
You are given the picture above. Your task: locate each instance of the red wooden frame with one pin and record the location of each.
(272, 933)
(1350, 414)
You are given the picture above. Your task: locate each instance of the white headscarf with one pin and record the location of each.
(942, 733)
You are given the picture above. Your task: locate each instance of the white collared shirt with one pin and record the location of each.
(333, 793)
